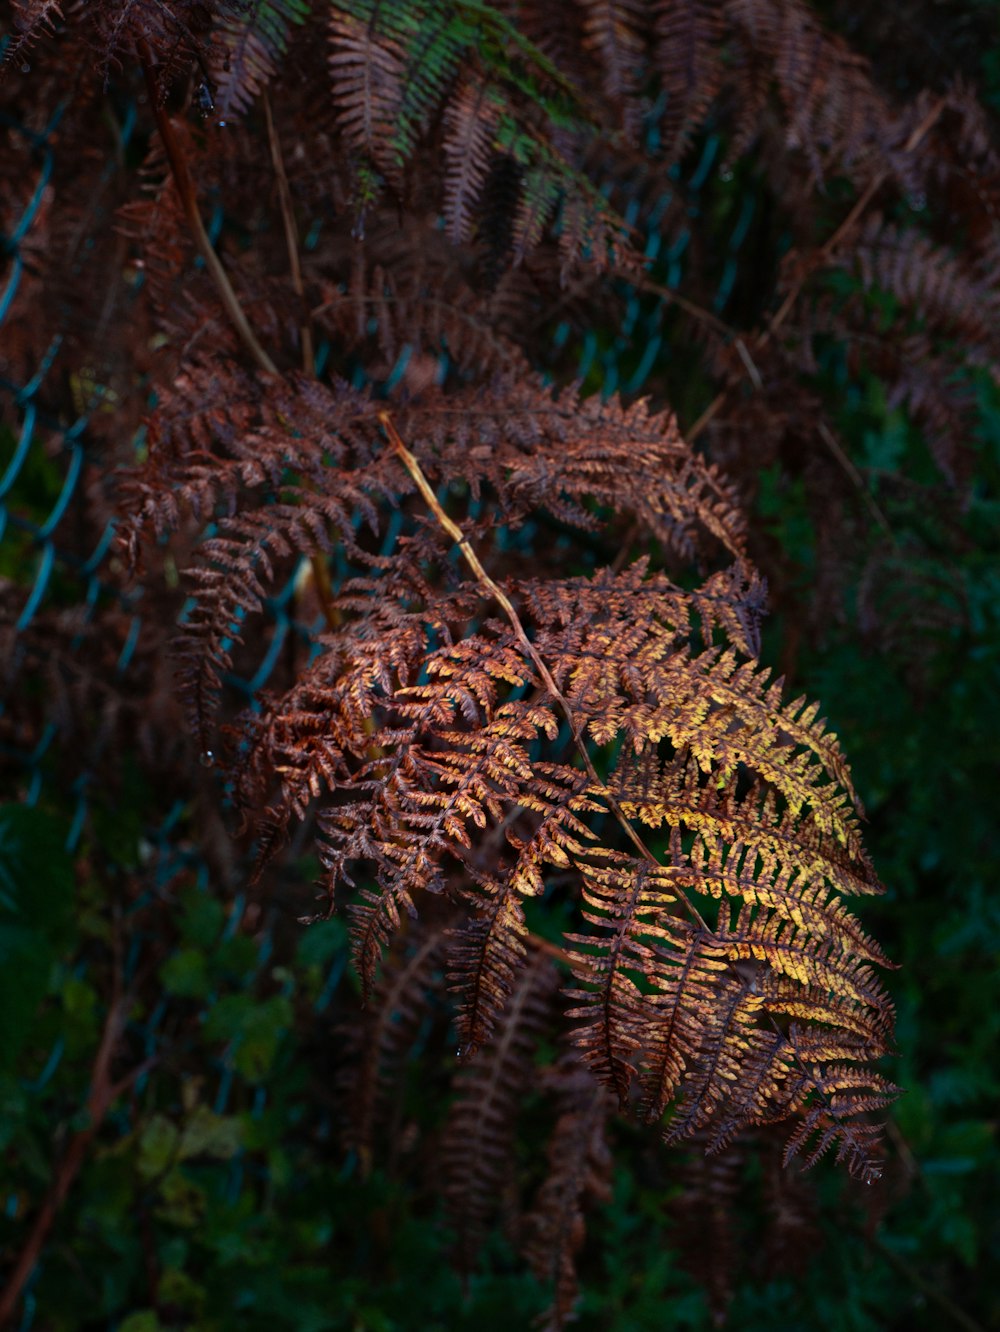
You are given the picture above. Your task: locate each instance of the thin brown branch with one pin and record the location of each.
(927, 1289)
(320, 570)
(642, 283)
(189, 201)
(549, 949)
(291, 237)
(472, 559)
(186, 191)
(102, 1095)
(834, 445)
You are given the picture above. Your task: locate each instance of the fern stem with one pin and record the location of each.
(929, 1291)
(320, 570)
(472, 559)
(185, 188)
(291, 236)
(189, 200)
(836, 448)
(102, 1095)
(550, 949)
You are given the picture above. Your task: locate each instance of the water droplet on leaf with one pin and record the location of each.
(207, 759)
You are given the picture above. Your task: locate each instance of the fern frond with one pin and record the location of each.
(629, 905)
(470, 122)
(246, 50)
(842, 1098)
(747, 847)
(479, 1135)
(33, 20)
(393, 66)
(932, 284)
(535, 210)
(367, 62)
(489, 950)
(704, 1222)
(613, 31)
(383, 1040)
(792, 1230)
(438, 40)
(427, 311)
(579, 1175)
(688, 58)
(833, 112)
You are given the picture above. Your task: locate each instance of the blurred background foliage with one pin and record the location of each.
(210, 1191)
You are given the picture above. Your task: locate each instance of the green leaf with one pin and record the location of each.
(321, 942)
(177, 1289)
(143, 1320)
(182, 1202)
(201, 917)
(158, 1147)
(209, 1134)
(186, 974)
(254, 1027)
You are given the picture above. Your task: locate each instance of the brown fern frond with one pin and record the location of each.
(485, 957)
(932, 284)
(557, 451)
(489, 1088)
(489, 950)
(246, 49)
(613, 31)
(704, 1223)
(470, 122)
(629, 904)
(687, 57)
(425, 308)
(578, 1177)
(841, 1099)
(33, 20)
(380, 1044)
(368, 68)
(746, 845)
(833, 112)
(791, 1225)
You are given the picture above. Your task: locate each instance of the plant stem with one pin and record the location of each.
(102, 1095)
(930, 1292)
(291, 236)
(320, 570)
(189, 201)
(472, 559)
(186, 191)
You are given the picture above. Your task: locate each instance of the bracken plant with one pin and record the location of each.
(330, 287)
